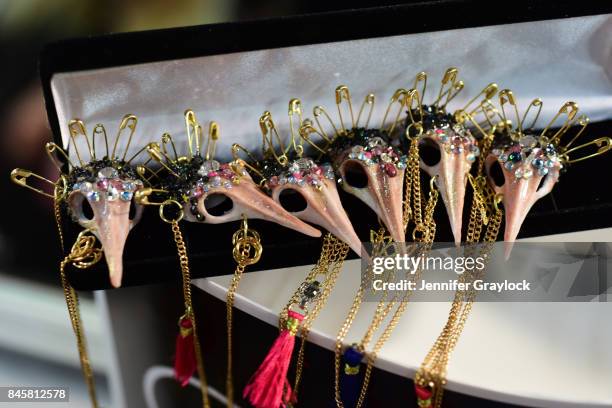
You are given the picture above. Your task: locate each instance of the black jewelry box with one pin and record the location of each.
(232, 72)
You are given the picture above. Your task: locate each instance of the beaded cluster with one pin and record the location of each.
(456, 140)
(303, 172)
(102, 181)
(370, 147)
(528, 156)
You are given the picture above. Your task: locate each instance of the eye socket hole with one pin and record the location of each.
(497, 174)
(87, 210)
(292, 200)
(218, 204)
(429, 152)
(355, 175)
(542, 182)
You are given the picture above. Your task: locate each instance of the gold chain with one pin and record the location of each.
(247, 251)
(189, 312)
(432, 373)
(82, 255)
(339, 251)
(426, 228)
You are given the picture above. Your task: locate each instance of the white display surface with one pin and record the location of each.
(556, 60)
(534, 354)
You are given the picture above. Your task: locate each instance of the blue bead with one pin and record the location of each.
(352, 356)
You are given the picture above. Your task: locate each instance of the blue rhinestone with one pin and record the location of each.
(550, 163)
(542, 171)
(514, 157)
(503, 157)
(93, 196)
(508, 165)
(537, 163)
(126, 196)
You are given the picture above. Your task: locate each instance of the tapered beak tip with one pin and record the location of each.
(115, 273)
(508, 245)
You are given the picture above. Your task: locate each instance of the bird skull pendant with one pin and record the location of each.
(109, 193)
(317, 185)
(373, 170)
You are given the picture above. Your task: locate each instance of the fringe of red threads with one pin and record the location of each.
(269, 387)
(185, 363)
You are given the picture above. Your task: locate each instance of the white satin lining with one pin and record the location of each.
(557, 60)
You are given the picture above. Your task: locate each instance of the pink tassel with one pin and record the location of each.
(185, 362)
(269, 387)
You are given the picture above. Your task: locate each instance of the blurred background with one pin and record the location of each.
(36, 342)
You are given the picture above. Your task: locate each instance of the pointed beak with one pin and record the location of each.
(518, 198)
(384, 195)
(249, 200)
(451, 182)
(112, 225)
(325, 210)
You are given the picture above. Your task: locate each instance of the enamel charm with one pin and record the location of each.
(369, 166)
(290, 173)
(531, 161)
(107, 185)
(210, 191)
(450, 135)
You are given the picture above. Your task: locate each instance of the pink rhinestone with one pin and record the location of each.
(439, 131)
(102, 184)
(297, 175)
(213, 174)
(368, 155)
(317, 170)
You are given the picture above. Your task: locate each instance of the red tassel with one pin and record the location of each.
(269, 387)
(185, 363)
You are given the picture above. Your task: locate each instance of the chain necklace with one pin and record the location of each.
(187, 322)
(333, 254)
(423, 233)
(247, 251)
(430, 379)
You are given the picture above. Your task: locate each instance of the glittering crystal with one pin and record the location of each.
(537, 163)
(108, 173)
(376, 141)
(112, 194)
(508, 165)
(550, 163)
(311, 290)
(385, 158)
(93, 196)
(210, 165)
(527, 173)
(228, 185)
(474, 149)
(291, 180)
(471, 157)
(126, 195)
(215, 181)
(497, 152)
(357, 149)
(206, 188)
(294, 167)
(86, 187)
(542, 171)
(282, 180)
(129, 186)
(305, 163)
(550, 150)
(515, 157)
(518, 173)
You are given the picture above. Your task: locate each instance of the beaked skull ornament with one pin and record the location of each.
(203, 185)
(450, 135)
(369, 166)
(531, 161)
(288, 173)
(107, 185)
